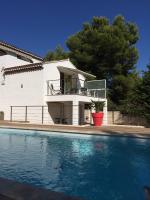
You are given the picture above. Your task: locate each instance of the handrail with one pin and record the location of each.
(74, 86)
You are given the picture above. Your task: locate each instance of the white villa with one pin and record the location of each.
(35, 91)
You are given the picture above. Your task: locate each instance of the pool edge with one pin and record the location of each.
(81, 132)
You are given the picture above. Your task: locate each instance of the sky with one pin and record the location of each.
(40, 25)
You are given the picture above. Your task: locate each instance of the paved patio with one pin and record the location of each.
(114, 129)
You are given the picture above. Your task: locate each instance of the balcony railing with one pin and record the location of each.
(74, 86)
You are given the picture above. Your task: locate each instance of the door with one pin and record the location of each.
(62, 82)
(67, 84)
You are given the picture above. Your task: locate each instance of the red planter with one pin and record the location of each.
(98, 118)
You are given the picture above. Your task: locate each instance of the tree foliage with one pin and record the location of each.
(57, 54)
(97, 106)
(108, 51)
(144, 95)
(138, 102)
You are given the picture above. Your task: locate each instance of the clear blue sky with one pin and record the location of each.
(40, 25)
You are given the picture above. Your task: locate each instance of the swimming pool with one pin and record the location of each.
(91, 167)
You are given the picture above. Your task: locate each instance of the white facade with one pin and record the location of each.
(24, 94)
(11, 60)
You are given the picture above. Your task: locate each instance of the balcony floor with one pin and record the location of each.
(63, 98)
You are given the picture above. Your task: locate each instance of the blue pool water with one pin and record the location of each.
(91, 167)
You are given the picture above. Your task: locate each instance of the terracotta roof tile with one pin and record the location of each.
(21, 68)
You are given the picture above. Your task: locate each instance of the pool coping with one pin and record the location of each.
(108, 131)
(10, 189)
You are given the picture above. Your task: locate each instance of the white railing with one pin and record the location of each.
(96, 88)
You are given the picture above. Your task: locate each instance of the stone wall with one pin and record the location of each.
(115, 117)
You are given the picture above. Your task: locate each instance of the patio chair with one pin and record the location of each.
(57, 120)
(74, 91)
(53, 91)
(83, 91)
(64, 121)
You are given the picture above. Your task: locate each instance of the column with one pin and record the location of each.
(105, 113)
(75, 113)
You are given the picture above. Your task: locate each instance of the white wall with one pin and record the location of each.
(11, 94)
(33, 91)
(11, 60)
(51, 72)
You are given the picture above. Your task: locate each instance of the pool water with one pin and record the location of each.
(91, 167)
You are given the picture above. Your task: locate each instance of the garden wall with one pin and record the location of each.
(115, 117)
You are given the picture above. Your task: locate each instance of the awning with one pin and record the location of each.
(74, 71)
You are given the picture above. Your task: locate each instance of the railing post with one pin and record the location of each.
(42, 114)
(105, 89)
(11, 113)
(26, 113)
(77, 86)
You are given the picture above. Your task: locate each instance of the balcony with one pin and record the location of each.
(75, 86)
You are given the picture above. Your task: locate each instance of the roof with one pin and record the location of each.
(56, 61)
(20, 51)
(23, 68)
(39, 65)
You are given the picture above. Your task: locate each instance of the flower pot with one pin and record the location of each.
(98, 118)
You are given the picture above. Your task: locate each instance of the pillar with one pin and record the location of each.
(105, 113)
(75, 113)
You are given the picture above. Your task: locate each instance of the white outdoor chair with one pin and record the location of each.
(53, 91)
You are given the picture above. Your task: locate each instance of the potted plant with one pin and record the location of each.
(98, 114)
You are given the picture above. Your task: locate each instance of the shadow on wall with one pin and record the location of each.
(1, 115)
(54, 110)
(60, 113)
